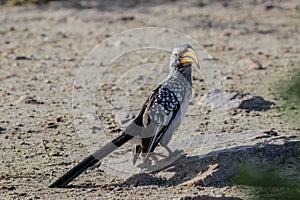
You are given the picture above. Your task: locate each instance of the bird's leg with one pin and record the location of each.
(153, 157)
(136, 153)
(169, 150)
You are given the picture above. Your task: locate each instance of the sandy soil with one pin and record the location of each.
(253, 43)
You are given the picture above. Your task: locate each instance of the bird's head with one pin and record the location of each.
(182, 58)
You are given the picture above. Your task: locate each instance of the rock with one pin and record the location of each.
(219, 99)
(250, 64)
(125, 118)
(52, 154)
(20, 124)
(28, 100)
(127, 18)
(142, 179)
(52, 125)
(10, 188)
(205, 177)
(2, 130)
(22, 58)
(269, 7)
(59, 119)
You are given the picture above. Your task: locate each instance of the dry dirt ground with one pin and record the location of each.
(252, 42)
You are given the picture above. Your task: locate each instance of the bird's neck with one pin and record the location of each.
(185, 73)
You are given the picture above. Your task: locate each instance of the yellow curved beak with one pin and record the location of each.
(190, 57)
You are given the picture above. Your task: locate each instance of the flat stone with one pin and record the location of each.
(219, 99)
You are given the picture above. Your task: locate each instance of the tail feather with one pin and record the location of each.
(91, 160)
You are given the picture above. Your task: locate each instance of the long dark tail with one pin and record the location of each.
(91, 160)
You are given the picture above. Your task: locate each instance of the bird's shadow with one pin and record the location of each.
(257, 103)
(216, 167)
(213, 168)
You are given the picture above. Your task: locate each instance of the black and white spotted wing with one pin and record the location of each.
(160, 114)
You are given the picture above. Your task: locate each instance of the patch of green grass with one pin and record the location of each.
(280, 181)
(270, 182)
(287, 90)
(266, 176)
(291, 90)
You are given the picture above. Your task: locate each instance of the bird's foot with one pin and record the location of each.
(175, 153)
(145, 166)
